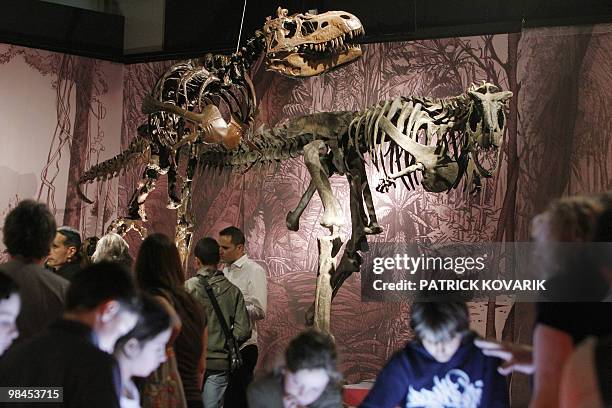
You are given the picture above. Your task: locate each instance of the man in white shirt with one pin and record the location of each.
(251, 279)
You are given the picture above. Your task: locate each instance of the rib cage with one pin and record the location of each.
(190, 84)
(195, 83)
(424, 120)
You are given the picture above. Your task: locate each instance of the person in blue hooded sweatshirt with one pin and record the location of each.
(442, 367)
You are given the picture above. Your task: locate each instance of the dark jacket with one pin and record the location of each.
(42, 296)
(64, 355)
(232, 305)
(67, 271)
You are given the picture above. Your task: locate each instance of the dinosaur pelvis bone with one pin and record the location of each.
(210, 127)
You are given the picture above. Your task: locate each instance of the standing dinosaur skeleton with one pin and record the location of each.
(442, 139)
(212, 101)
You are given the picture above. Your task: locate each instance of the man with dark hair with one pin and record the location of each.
(27, 233)
(231, 304)
(309, 379)
(251, 279)
(441, 365)
(73, 353)
(65, 255)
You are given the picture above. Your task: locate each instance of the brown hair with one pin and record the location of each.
(312, 349)
(158, 264)
(439, 321)
(569, 219)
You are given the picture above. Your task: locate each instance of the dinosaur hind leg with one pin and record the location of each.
(136, 207)
(184, 224)
(174, 201)
(293, 217)
(332, 215)
(373, 226)
(360, 189)
(136, 214)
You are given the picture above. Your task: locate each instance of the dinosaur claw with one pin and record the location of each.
(373, 229)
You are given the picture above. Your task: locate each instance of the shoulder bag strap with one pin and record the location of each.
(209, 291)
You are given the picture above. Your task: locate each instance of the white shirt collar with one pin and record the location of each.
(240, 261)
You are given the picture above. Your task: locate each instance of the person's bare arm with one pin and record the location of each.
(552, 348)
(516, 357)
(579, 382)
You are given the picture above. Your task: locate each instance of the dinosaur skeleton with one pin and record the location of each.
(211, 101)
(442, 139)
(206, 107)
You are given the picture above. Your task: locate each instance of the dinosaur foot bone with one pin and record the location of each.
(293, 221)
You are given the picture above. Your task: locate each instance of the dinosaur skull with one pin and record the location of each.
(487, 123)
(304, 45)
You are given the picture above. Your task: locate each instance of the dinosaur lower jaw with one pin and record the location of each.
(306, 64)
(491, 157)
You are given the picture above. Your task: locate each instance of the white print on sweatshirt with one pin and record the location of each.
(453, 391)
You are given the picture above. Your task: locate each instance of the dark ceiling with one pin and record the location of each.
(195, 27)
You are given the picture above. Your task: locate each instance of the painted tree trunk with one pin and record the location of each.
(550, 66)
(83, 78)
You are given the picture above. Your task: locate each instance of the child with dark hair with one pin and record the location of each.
(309, 379)
(10, 304)
(442, 367)
(143, 349)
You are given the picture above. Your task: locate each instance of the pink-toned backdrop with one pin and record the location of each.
(59, 113)
(558, 143)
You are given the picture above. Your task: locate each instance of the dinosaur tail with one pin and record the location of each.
(111, 168)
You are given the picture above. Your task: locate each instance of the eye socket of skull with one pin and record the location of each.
(290, 29)
(309, 27)
(501, 119)
(473, 122)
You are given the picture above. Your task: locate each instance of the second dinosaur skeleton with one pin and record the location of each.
(440, 139)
